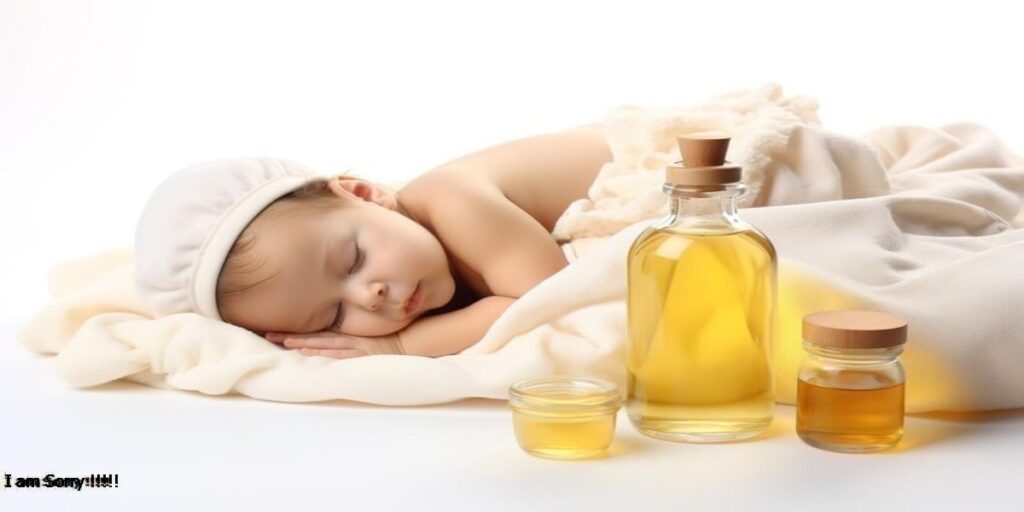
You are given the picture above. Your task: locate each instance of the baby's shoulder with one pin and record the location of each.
(440, 198)
(484, 231)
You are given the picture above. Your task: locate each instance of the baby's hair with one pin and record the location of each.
(243, 263)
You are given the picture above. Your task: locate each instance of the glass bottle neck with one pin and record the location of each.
(697, 207)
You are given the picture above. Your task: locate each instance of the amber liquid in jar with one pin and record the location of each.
(850, 420)
(850, 385)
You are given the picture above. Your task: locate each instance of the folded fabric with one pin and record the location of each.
(924, 222)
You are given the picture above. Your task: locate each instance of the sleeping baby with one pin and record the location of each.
(343, 267)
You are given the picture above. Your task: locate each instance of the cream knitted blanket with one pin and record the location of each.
(925, 222)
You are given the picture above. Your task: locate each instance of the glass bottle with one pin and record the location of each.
(850, 388)
(701, 308)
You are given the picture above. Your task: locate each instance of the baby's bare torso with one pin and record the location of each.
(497, 200)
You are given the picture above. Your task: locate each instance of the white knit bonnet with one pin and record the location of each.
(192, 220)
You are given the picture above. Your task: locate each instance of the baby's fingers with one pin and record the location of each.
(338, 342)
(344, 353)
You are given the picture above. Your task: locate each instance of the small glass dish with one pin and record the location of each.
(564, 417)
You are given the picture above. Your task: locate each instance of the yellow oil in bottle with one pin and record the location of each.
(850, 420)
(564, 435)
(701, 317)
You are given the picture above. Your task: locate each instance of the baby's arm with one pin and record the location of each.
(453, 332)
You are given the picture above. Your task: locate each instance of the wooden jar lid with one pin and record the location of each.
(855, 329)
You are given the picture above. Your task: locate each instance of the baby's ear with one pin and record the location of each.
(364, 190)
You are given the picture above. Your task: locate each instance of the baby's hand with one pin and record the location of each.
(336, 345)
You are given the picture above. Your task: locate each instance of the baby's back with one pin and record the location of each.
(494, 209)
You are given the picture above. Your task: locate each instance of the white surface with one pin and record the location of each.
(100, 100)
(181, 451)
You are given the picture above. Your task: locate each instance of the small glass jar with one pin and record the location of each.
(850, 388)
(564, 417)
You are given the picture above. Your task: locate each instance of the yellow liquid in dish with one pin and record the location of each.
(701, 312)
(849, 420)
(563, 435)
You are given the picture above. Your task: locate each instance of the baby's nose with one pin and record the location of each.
(379, 291)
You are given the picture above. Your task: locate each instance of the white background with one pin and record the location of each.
(100, 100)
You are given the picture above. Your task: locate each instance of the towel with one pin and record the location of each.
(920, 221)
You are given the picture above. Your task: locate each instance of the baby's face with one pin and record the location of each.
(360, 263)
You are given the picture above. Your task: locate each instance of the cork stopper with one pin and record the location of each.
(703, 149)
(703, 163)
(855, 329)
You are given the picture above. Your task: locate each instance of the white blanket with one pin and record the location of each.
(925, 222)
